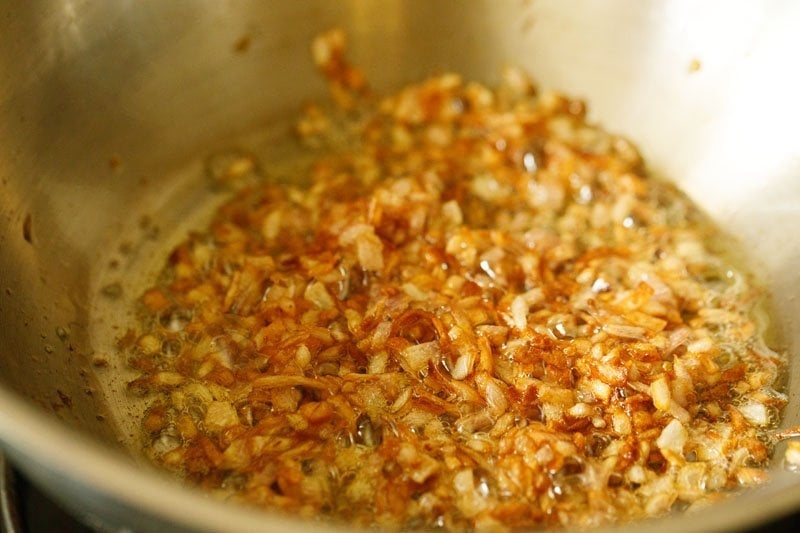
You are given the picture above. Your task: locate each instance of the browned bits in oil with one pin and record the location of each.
(62, 333)
(100, 361)
(155, 300)
(112, 291)
(242, 44)
(231, 168)
(64, 397)
(366, 432)
(477, 310)
(27, 228)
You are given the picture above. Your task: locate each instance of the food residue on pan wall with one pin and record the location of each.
(476, 310)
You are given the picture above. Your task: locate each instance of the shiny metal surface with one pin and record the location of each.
(9, 516)
(103, 103)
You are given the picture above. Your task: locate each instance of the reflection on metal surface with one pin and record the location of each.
(80, 81)
(9, 508)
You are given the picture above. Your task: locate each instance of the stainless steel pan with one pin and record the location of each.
(106, 109)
